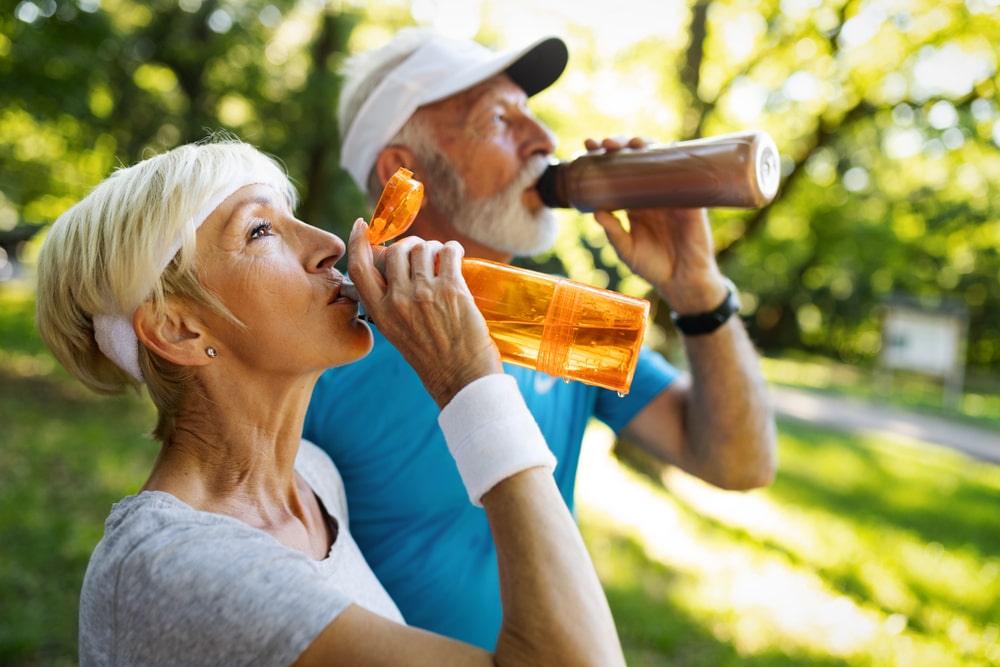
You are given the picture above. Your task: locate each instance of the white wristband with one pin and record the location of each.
(492, 435)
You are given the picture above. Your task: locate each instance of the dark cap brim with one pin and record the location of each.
(540, 66)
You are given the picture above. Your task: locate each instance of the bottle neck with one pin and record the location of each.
(548, 187)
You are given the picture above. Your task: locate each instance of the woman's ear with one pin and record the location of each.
(173, 332)
(392, 158)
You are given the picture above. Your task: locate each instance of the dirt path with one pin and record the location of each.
(856, 415)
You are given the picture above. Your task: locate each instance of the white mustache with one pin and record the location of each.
(533, 170)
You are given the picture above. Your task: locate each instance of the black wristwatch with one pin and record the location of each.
(705, 323)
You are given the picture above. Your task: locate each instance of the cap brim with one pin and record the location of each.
(540, 66)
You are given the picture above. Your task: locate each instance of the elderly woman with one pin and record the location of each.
(189, 273)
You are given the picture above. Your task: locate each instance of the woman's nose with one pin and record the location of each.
(325, 249)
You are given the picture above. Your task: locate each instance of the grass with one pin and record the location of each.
(864, 551)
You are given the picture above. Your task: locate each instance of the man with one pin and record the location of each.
(456, 114)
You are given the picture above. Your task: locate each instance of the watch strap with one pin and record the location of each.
(705, 323)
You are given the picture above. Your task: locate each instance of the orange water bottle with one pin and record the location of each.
(555, 325)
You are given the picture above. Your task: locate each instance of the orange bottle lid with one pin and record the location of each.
(397, 207)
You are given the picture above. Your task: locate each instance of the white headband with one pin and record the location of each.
(113, 331)
(439, 69)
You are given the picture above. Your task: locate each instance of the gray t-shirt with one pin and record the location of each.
(172, 585)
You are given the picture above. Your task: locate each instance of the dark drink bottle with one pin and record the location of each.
(738, 170)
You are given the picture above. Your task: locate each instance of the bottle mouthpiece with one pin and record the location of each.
(348, 289)
(547, 186)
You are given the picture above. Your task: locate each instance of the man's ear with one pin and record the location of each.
(173, 332)
(392, 158)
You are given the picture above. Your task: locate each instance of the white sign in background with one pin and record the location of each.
(923, 342)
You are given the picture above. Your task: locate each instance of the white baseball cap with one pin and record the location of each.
(439, 68)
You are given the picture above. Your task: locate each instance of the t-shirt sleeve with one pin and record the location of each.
(265, 599)
(653, 374)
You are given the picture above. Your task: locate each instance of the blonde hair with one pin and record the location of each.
(111, 252)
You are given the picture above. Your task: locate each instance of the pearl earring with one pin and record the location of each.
(212, 352)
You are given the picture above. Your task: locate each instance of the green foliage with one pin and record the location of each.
(99, 85)
(65, 457)
(881, 126)
(886, 116)
(887, 119)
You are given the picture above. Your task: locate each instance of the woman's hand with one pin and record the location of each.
(424, 308)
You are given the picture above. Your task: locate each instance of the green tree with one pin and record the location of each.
(96, 85)
(885, 113)
(887, 119)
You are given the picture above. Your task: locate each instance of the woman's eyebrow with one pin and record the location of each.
(253, 202)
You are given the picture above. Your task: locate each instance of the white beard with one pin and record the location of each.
(500, 221)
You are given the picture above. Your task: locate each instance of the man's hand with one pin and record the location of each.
(671, 248)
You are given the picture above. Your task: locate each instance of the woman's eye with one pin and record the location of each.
(262, 228)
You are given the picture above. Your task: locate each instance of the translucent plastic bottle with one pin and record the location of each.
(558, 326)
(740, 170)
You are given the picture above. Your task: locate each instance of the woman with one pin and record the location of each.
(189, 273)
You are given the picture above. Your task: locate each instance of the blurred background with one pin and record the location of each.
(871, 285)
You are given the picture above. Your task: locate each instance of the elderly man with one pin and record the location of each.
(456, 114)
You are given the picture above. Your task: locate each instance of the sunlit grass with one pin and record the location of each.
(862, 552)
(865, 551)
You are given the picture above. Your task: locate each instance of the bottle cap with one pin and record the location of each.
(397, 207)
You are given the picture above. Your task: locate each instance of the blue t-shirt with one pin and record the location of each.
(428, 545)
